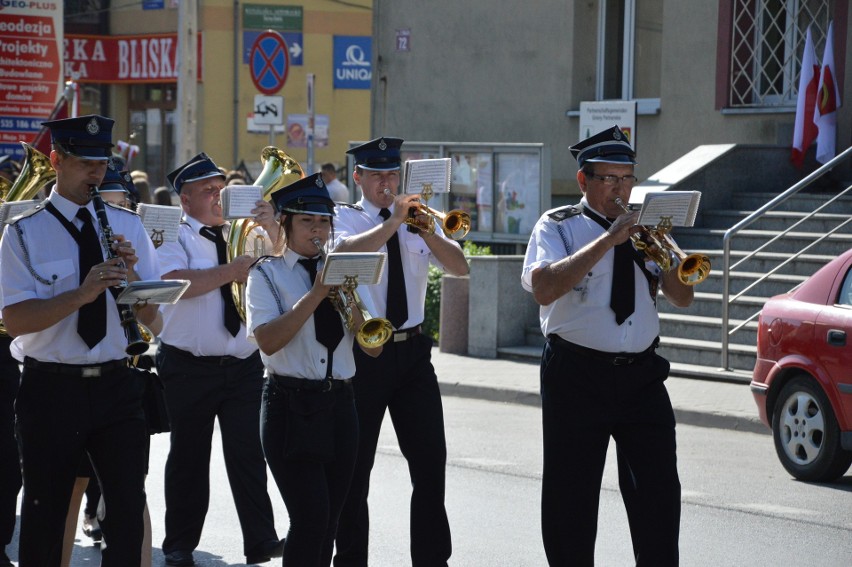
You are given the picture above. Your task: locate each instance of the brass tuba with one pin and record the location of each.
(659, 246)
(36, 172)
(279, 170)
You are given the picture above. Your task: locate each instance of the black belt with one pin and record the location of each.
(405, 334)
(225, 360)
(614, 358)
(83, 370)
(293, 383)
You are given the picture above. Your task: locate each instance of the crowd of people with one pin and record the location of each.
(280, 370)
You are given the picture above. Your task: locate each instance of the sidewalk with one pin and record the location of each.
(704, 403)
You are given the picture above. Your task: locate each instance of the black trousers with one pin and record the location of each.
(313, 492)
(10, 464)
(198, 391)
(401, 380)
(60, 418)
(584, 403)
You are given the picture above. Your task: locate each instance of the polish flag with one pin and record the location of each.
(806, 129)
(828, 101)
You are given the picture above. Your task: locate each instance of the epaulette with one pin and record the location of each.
(351, 206)
(262, 260)
(120, 208)
(565, 212)
(28, 213)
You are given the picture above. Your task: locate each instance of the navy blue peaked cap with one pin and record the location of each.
(87, 137)
(379, 154)
(609, 146)
(306, 196)
(115, 180)
(199, 167)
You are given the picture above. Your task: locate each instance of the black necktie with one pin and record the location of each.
(231, 315)
(327, 324)
(397, 310)
(621, 299)
(91, 319)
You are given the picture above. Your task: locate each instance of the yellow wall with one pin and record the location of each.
(348, 110)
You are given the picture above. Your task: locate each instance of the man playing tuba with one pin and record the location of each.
(211, 370)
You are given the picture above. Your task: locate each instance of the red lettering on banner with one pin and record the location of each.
(134, 59)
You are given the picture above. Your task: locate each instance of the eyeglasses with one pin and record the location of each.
(612, 180)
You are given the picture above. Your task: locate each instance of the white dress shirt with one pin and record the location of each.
(197, 325)
(303, 356)
(583, 315)
(414, 253)
(53, 254)
(338, 191)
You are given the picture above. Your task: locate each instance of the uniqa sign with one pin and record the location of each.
(353, 62)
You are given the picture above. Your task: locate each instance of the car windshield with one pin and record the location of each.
(845, 295)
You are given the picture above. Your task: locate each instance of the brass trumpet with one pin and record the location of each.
(658, 245)
(455, 223)
(374, 331)
(452, 223)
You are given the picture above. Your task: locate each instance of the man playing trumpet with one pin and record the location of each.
(600, 376)
(211, 371)
(401, 379)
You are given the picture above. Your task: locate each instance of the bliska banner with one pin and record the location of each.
(30, 70)
(353, 62)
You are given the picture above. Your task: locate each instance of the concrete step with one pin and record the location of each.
(800, 202)
(738, 281)
(710, 305)
(778, 220)
(707, 353)
(679, 324)
(763, 262)
(686, 370)
(704, 238)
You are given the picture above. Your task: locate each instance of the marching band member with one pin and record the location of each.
(210, 371)
(308, 422)
(402, 380)
(77, 395)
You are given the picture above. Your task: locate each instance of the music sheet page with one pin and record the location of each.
(679, 206)
(365, 266)
(420, 173)
(153, 291)
(239, 200)
(161, 222)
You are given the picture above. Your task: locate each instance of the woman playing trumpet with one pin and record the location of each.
(309, 427)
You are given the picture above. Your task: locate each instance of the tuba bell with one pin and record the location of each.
(36, 172)
(279, 170)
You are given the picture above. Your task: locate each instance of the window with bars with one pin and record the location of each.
(768, 39)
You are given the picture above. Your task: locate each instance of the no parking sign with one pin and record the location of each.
(269, 62)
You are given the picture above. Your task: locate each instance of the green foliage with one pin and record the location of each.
(432, 316)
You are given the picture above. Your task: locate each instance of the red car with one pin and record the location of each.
(802, 380)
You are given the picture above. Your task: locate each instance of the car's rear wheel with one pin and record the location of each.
(807, 437)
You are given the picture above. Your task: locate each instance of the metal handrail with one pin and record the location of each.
(731, 232)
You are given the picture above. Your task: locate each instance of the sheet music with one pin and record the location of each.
(153, 291)
(366, 266)
(239, 200)
(420, 173)
(161, 222)
(9, 211)
(680, 206)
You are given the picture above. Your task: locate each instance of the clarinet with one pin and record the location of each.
(136, 344)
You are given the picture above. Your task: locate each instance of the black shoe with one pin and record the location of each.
(92, 528)
(264, 552)
(4, 559)
(180, 558)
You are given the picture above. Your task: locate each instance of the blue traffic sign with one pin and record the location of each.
(269, 62)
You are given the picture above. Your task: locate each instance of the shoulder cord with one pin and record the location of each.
(271, 288)
(564, 239)
(27, 261)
